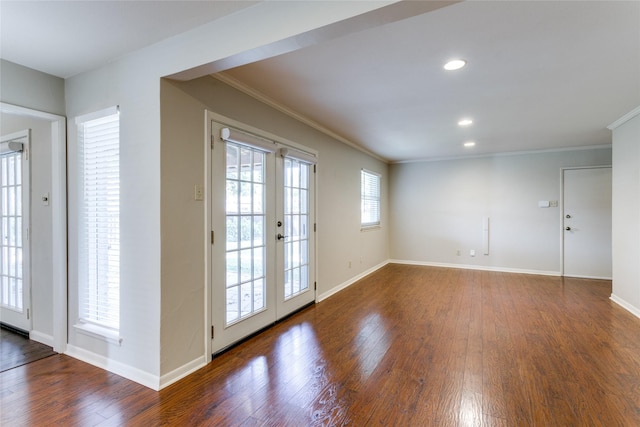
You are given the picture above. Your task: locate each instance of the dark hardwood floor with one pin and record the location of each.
(17, 350)
(406, 346)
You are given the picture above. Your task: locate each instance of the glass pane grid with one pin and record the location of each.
(296, 219)
(11, 295)
(245, 242)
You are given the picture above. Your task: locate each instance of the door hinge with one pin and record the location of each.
(212, 333)
(212, 237)
(28, 314)
(314, 168)
(314, 227)
(26, 154)
(315, 286)
(212, 141)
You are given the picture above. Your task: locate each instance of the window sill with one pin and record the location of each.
(99, 332)
(370, 227)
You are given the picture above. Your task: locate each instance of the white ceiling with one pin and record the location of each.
(540, 75)
(65, 38)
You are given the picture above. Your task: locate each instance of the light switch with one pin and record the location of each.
(198, 193)
(543, 204)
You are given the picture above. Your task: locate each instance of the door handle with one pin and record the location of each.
(568, 228)
(280, 236)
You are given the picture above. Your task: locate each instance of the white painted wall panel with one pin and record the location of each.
(626, 214)
(438, 209)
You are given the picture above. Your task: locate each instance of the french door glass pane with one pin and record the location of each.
(296, 221)
(245, 242)
(11, 238)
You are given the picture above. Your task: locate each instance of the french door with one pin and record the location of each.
(15, 287)
(263, 250)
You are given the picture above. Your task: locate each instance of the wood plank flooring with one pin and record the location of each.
(17, 350)
(406, 346)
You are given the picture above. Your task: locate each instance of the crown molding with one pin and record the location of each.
(293, 114)
(630, 115)
(504, 154)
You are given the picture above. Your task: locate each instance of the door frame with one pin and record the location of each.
(208, 234)
(561, 202)
(59, 217)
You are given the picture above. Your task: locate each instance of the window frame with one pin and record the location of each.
(364, 197)
(90, 235)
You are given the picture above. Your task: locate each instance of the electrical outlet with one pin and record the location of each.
(553, 203)
(349, 264)
(472, 252)
(458, 252)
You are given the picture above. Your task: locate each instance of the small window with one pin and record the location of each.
(99, 219)
(369, 199)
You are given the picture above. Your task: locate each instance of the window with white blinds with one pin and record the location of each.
(99, 229)
(369, 199)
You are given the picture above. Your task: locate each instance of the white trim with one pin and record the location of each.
(622, 303)
(575, 276)
(622, 120)
(58, 214)
(97, 114)
(289, 112)
(134, 374)
(350, 282)
(99, 332)
(477, 267)
(41, 338)
(504, 154)
(183, 371)
(208, 228)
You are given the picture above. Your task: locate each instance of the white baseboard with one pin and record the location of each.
(41, 338)
(587, 277)
(476, 267)
(350, 282)
(182, 371)
(629, 307)
(118, 368)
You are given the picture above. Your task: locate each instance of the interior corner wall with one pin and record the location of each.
(41, 232)
(626, 215)
(339, 239)
(438, 209)
(32, 89)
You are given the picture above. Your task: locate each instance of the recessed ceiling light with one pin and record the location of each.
(455, 64)
(469, 144)
(465, 122)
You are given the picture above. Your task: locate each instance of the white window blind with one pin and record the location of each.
(369, 199)
(99, 234)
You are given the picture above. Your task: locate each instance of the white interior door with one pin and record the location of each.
(262, 254)
(587, 222)
(15, 289)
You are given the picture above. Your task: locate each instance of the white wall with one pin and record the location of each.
(133, 83)
(338, 205)
(41, 224)
(438, 208)
(29, 88)
(626, 214)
